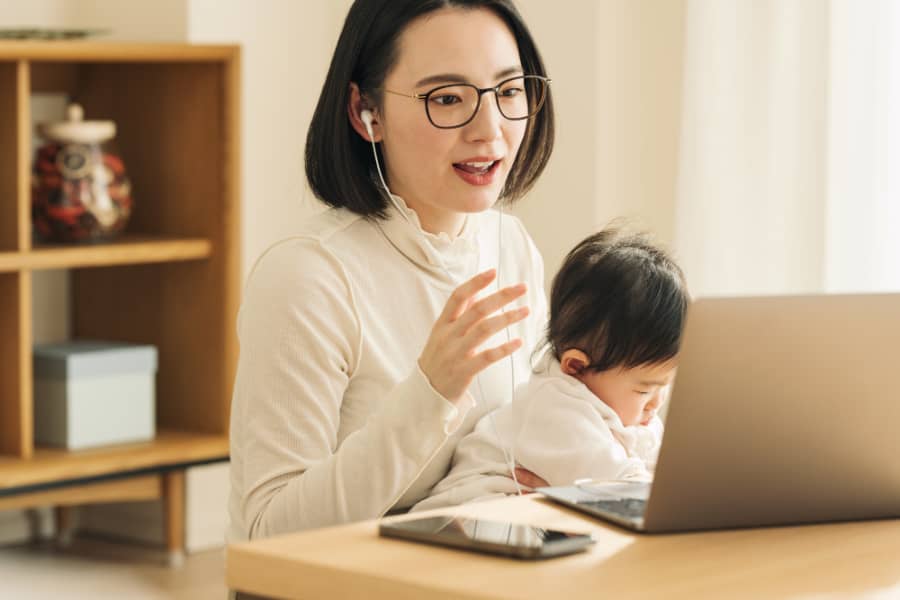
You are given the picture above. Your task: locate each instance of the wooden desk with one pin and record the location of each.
(846, 560)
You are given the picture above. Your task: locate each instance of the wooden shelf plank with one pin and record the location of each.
(49, 465)
(127, 250)
(78, 51)
(142, 487)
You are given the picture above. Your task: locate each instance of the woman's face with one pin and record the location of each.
(432, 169)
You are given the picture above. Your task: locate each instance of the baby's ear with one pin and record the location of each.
(573, 362)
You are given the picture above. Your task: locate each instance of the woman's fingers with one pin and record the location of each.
(486, 328)
(462, 295)
(488, 306)
(483, 360)
(450, 358)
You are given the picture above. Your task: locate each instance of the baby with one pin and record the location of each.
(617, 311)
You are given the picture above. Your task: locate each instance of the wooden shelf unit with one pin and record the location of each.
(171, 281)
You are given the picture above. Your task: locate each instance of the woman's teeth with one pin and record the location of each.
(476, 167)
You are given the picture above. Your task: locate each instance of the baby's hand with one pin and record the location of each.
(528, 479)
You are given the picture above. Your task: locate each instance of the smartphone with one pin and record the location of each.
(491, 537)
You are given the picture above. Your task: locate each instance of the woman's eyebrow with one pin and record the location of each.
(456, 78)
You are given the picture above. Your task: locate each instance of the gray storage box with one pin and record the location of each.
(90, 393)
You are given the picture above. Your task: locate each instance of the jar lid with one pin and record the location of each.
(76, 129)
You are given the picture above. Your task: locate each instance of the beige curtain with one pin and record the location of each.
(863, 213)
(789, 146)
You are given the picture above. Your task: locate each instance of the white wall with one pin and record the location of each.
(134, 20)
(286, 49)
(561, 208)
(616, 69)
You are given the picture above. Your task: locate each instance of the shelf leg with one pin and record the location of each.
(173, 507)
(65, 525)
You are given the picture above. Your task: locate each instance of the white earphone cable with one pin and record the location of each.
(510, 457)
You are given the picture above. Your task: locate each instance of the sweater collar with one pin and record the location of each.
(451, 260)
(550, 366)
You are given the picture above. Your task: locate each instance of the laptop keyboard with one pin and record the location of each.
(632, 508)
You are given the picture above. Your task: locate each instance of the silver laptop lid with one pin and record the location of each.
(784, 410)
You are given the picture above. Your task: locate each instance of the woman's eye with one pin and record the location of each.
(445, 99)
(511, 92)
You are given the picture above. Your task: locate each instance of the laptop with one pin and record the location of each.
(785, 410)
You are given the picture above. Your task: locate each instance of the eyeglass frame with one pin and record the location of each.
(481, 92)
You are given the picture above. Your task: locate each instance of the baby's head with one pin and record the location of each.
(617, 311)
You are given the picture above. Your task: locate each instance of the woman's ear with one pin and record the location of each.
(573, 362)
(355, 106)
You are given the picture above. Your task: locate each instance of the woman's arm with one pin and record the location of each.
(300, 338)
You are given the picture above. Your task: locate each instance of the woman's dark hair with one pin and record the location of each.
(339, 163)
(619, 299)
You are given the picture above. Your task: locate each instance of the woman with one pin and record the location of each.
(375, 339)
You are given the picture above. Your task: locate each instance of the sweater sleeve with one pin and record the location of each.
(300, 339)
(562, 438)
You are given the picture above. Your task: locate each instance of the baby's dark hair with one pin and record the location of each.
(620, 299)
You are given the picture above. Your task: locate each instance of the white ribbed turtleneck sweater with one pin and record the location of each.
(332, 421)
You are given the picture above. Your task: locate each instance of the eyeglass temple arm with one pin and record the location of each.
(413, 96)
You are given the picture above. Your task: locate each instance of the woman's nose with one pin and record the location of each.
(486, 125)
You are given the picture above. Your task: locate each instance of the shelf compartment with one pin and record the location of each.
(52, 466)
(178, 308)
(130, 249)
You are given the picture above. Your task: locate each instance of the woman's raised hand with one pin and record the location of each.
(451, 358)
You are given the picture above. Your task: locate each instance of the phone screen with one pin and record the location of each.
(494, 537)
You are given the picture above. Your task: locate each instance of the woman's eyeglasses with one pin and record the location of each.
(456, 104)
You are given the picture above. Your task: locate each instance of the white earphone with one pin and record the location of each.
(366, 117)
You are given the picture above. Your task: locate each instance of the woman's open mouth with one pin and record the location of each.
(479, 172)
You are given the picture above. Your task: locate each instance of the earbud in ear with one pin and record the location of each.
(366, 117)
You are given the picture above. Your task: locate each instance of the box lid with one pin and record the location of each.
(89, 358)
